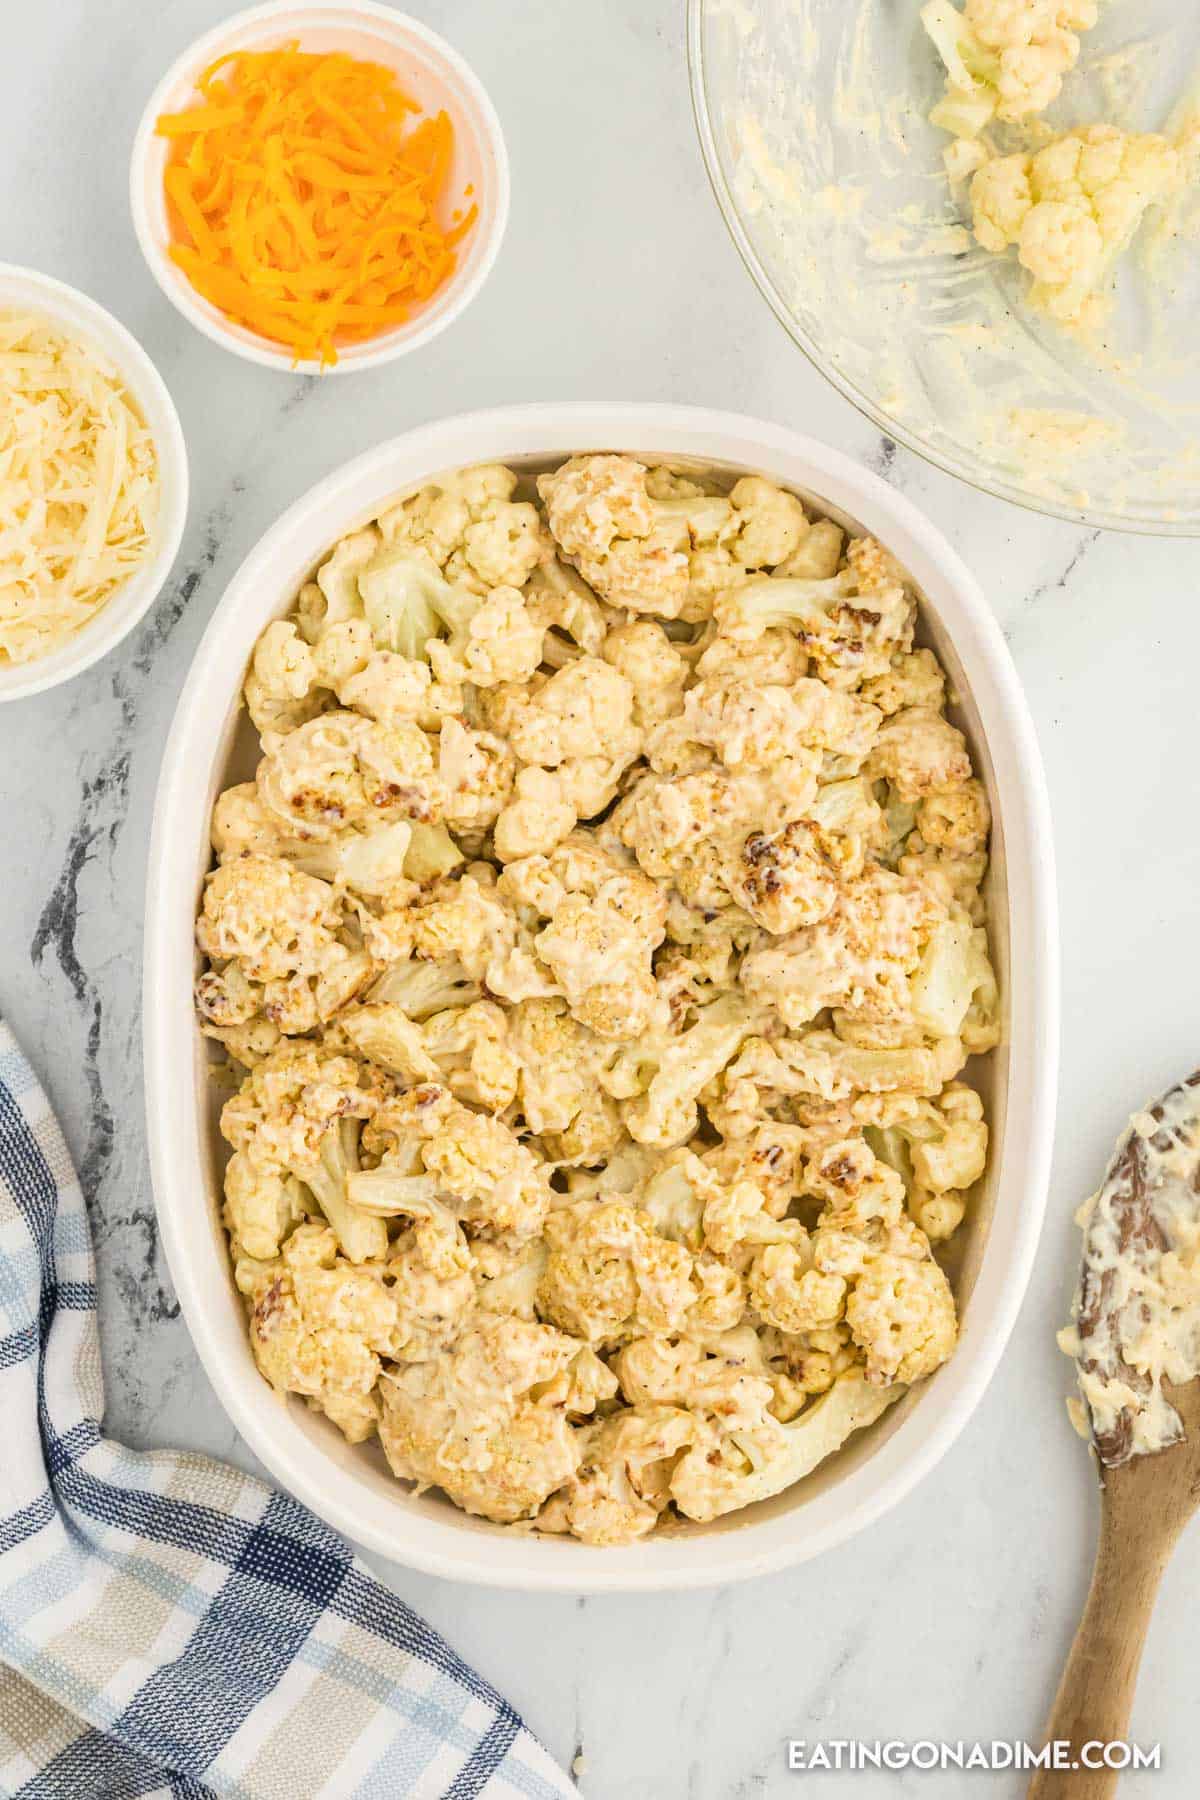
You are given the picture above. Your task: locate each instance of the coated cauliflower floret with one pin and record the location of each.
(621, 1487)
(340, 770)
(559, 1061)
(603, 519)
(1004, 59)
(753, 726)
(900, 1310)
(493, 1181)
(392, 688)
(269, 918)
(913, 679)
(1072, 208)
(850, 625)
(676, 1069)
(789, 878)
(298, 1112)
(863, 948)
(370, 859)
(724, 1471)
(282, 689)
(475, 1422)
(643, 653)
(319, 1326)
(475, 772)
(469, 525)
(920, 753)
(610, 1275)
(941, 1144)
(584, 710)
(604, 924)
(537, 817)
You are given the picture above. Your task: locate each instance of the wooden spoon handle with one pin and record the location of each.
(1095, 1696)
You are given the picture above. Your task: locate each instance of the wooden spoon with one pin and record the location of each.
(1147, 1494)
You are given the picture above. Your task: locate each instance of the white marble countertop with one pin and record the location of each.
(949, 1620)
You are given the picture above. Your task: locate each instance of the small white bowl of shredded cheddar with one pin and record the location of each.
(320, 187)
(93, 482)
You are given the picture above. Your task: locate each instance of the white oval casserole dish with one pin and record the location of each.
(210, 745)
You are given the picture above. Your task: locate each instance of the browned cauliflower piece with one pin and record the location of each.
(341, 769)
(726, 1470)
(914, 678)
(622, 1485)
(319, 1326)
(268, 918)
(920, 753)
(865, 946)
(489, 1421)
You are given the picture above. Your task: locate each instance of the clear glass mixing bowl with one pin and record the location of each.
(812, 119)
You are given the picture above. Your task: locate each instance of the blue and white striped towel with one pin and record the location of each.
(169, 1625)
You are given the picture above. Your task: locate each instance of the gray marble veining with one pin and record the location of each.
(950, 1618)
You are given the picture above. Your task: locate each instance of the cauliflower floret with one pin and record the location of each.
(490, 636)
(262, 1203)
(772, 659)
(371, 860)
(675, 1070)
(269, 918)
(789, 878)
(319, 1325)
(621, 1486)
(494, 1181)
(850, 626)
(1004, 59)
(603, 519)
(298, 1110)
(340, 770)
(391, 688)
(862, 949)
(914, 679)
(899, 1306)
(559, 1060)
(724, 1471)
(584, 710)
(1072, 208)
(958, 821)
(609, 1275)
(920, 753)
(755, 727)
(475, 770)
(605, 922)
(281, 688)
(643, 653)
(537, 817)
(941, 1144)
(469, 525)
(484, 1421)
(789, 1293)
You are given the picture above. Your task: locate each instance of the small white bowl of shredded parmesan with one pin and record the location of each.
(93, 482)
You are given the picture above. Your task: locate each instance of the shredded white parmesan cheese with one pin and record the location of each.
(78, 485)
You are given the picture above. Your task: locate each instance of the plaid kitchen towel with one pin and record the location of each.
(167, 1624)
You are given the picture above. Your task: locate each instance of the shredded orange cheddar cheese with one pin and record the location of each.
(304, 200)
